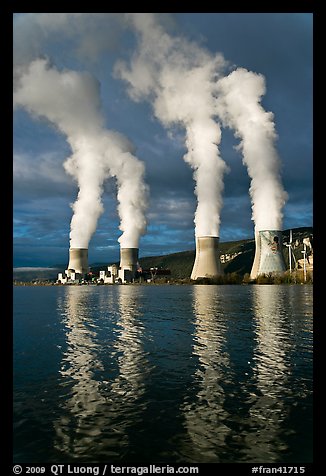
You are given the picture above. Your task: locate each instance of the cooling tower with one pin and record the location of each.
(207, 261)
(129, 259)
(78, 260)
(268, 256)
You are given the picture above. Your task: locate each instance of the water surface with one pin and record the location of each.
(163, 374)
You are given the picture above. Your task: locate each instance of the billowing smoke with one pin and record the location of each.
(178, 78)
(238, 105)
(186, 87)
(71, 101)
(84, 35)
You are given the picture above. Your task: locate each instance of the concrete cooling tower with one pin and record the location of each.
(269, 256)
(128, 263)
(129, 258)
(78, 260)
(207, 261)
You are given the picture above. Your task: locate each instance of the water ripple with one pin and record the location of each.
(172, 374)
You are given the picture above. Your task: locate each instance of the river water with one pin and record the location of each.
(163, 374)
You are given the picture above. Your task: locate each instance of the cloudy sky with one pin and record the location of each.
(275, 45)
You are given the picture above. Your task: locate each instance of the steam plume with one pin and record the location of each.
(183, 83)
(238, 105)
(178, 78)
(85, 35)
(71, 101)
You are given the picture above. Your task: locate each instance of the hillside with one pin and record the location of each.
(36, 274)
(236, 257)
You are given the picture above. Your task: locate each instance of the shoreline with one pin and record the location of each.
(188, 283)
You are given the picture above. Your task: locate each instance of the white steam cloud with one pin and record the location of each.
(85, 35)
(178, 78)
(186, 86)
(238, 105)
(71, 101)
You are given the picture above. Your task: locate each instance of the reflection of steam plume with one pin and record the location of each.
(83, 420)
(238, 105)
(272, 368)
(127, 388)
(132, 362)
(97, 412)
(206, 417)
(71, 101)
(178, 77)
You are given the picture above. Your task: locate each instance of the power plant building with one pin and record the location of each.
(110, 276)
(126, 272)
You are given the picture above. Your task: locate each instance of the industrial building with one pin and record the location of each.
(109, 276)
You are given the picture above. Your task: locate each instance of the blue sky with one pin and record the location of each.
(276, 45)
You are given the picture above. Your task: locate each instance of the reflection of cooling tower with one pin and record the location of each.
(129, 259)
(207, 262)
(269, 256)
(78, 260)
